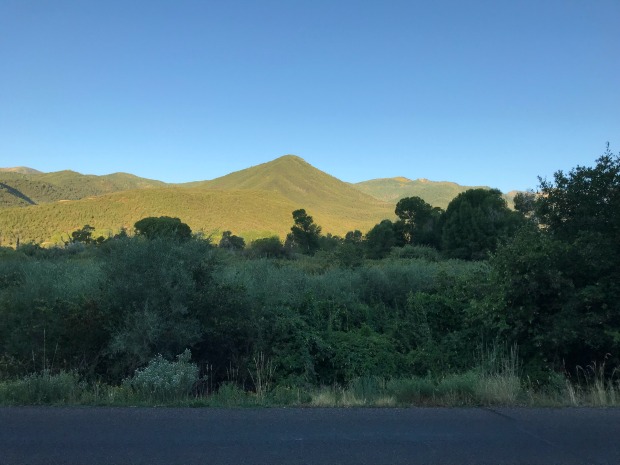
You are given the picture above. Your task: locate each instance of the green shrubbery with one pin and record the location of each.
(269, 323)
(164, 381)
(43, 388)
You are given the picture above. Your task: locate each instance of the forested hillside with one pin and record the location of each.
(437, 193)
(24, 186)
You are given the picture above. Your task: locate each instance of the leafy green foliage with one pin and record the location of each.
(305, 234)
(163, 227)
(231, 242)
(263, 317)
(23, 187)
(164, 381)
(437, 193)
(152, 294)
(559, 285)
(474, 222)
(43, 388)
(419, 223)
(380, 239)
(268, 247)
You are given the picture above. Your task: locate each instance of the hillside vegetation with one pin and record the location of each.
(254, 213)
(256, 202)
(303, 185)
(24, 186)
(437, 193)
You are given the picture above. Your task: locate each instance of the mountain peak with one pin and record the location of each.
(289, 158)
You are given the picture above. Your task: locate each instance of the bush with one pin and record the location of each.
(42, 388)
(412, 390)
(230, 394)
(164, 381)
(422, 252)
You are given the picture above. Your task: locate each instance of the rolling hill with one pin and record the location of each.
(436, 193)
(24, 186)
(304, 185)
(255, 202)
(20, 169)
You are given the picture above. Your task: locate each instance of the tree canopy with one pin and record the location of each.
(304, 234)
(473, 223)
(163, 227)
(419, 222)
(558, 279)
(231, 242)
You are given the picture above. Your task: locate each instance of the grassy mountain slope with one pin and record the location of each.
(330, 201)
(437, 193)
(252, 203)
(21, 188)
(294, 178)
(253, 212)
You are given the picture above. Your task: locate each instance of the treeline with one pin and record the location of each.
(420, 295)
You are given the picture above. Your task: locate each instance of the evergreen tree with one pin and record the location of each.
(305, 234)
(474, 222)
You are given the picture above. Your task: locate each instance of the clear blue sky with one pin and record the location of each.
(475, 92)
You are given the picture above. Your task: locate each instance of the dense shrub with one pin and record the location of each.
(164, 381)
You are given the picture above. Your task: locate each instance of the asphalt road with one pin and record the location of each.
(92, 436)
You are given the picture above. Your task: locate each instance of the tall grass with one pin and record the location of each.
(43, 388)
(496, 381)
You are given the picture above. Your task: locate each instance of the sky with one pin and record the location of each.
(478, 92)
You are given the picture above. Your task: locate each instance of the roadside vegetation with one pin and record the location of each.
(475, 305)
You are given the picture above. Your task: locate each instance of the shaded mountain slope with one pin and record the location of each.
(437, 193)
(15, 186)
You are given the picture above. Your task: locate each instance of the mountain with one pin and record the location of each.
(255, 213)
(23, 187)
(436, 193)
(255, 202)
(20, 169)
(304, 185)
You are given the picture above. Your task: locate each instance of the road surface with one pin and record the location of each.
(153, 436)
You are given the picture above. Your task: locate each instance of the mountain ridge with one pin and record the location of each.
(253, 202)
(436, 193)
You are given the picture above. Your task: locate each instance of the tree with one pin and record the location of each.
(419, 222)
(474, 222)
(354, 237)
(163, 227)
(83, 235)
(268, 247)
(559, 281)
(380, 239)
(231, 242)
(525, 203)
(304, 233)
(587, 200)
